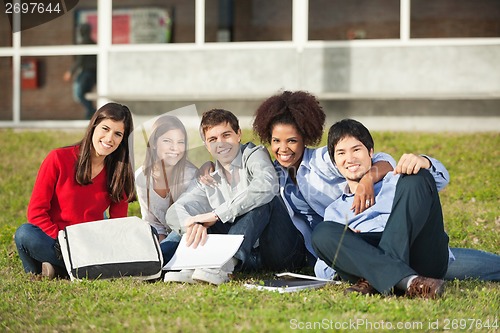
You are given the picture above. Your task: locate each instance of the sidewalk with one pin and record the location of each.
(374, 123)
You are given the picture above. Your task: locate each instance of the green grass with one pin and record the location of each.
(472, 218)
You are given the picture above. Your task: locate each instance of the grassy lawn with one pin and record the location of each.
(472, 219)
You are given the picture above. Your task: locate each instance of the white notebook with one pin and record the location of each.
(290, 282)
(213, 254)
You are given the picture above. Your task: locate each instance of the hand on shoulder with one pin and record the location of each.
(411, 164)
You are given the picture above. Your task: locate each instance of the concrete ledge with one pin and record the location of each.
(322, 96)
(46, 124)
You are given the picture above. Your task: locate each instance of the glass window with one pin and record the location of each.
(455, 18)
(248, 20)
(353, 19)
(6, 91)
(44, 92)
(154, 21)
(5, 30)
(58, 31)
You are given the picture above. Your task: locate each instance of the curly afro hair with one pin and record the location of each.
(299, 109)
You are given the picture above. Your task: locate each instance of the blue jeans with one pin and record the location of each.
(281, 245)
(34, 247)
(169, 246)
(474, 264)
(469, 263)
(83, 84)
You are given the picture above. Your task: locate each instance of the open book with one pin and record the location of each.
(289, 282)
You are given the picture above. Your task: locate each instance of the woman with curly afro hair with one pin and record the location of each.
(291, 122)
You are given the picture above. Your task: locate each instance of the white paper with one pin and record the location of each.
(216, 252)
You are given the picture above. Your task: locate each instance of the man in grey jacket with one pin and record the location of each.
(244, 202)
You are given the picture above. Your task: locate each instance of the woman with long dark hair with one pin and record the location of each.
(77, 184)
(165, 173)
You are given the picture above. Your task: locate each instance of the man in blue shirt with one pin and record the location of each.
(399, 242)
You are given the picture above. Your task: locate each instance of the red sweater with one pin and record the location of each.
(58, 200)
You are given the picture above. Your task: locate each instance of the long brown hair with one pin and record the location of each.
(162, 125)
(120, 176)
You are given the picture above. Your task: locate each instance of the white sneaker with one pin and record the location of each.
(215, 275)
(211, 275)
(185, 275)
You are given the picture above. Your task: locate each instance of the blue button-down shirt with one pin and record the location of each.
(320, 184)
(375, 218)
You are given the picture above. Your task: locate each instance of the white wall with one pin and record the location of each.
(465, 69)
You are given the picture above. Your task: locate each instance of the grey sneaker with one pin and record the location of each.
(48, 270)
(185, 276)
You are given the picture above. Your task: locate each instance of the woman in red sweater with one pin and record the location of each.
(78, 184)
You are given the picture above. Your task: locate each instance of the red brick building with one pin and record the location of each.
(340, 35)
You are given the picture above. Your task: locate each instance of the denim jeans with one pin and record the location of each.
(34, 247)
(169, 246)
(83, 84)
(469, 263)
(474, 264)
(281, 245)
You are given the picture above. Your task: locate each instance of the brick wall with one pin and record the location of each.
(53, 99)
(455, 19)
(5, 69)
(342, 20)
(6, 90)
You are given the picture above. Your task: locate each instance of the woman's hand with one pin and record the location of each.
(204, 174)
(364, 197)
